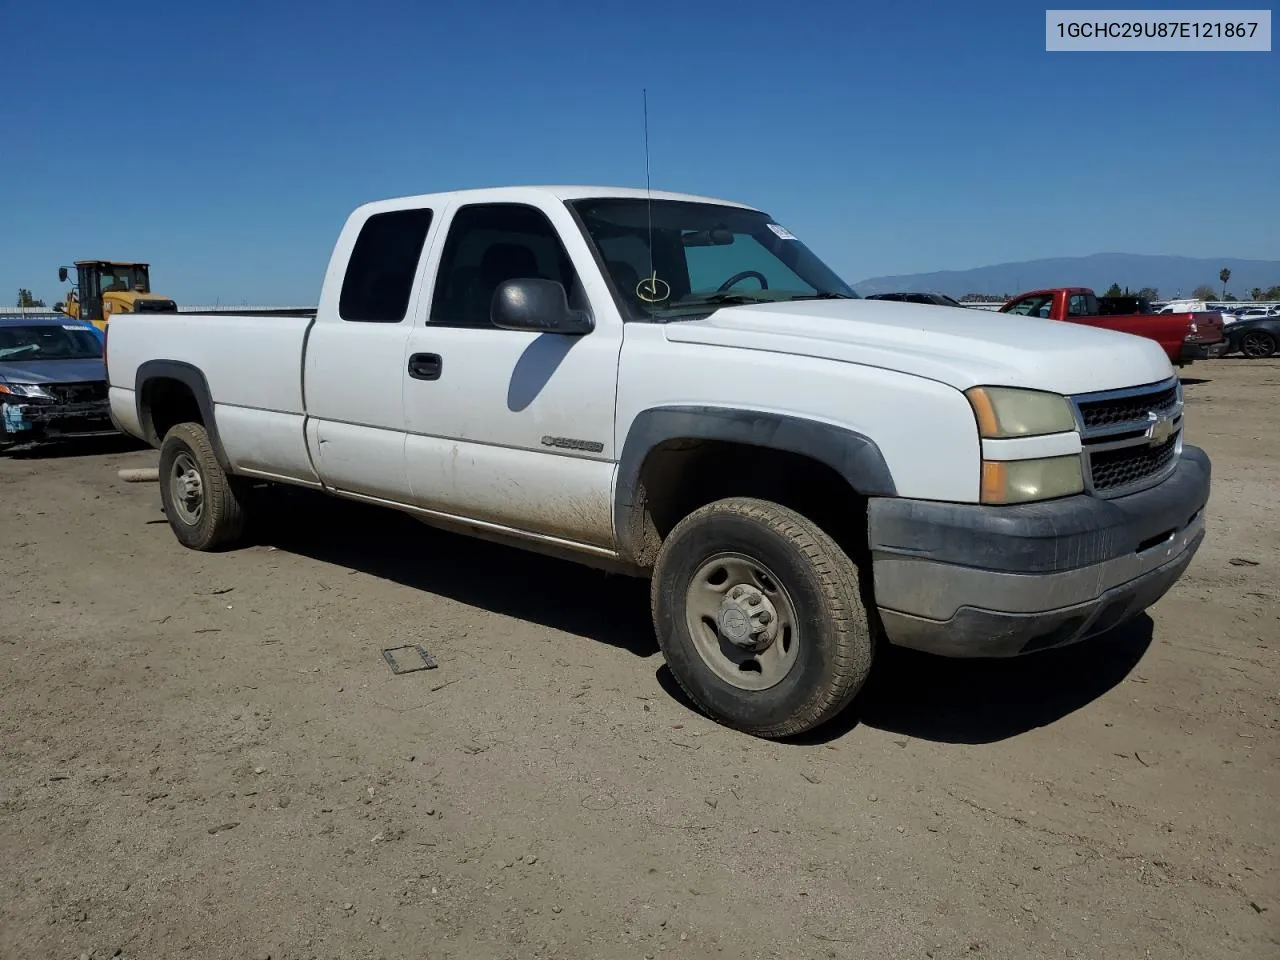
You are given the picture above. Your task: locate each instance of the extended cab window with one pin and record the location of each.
(383, 264)
(489, 244)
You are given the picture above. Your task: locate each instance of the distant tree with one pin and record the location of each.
(1224, 275)
(1114, 291)
(1256, 293)
(1149, 293)
(1273, 293)
(25, 299)
(1231, 297)
(1204, 292)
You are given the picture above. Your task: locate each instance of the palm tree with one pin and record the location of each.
(1224, 276)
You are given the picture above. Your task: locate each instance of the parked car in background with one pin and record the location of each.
(53, 381)
(1184, 306)
(1254, 313)
(1255, 337)
(1184, 336)
(929, 299)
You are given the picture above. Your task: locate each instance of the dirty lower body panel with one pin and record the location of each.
(973, 581)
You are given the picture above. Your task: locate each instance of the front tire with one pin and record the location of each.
(1258, 344)
(204, 505)
(759, 615)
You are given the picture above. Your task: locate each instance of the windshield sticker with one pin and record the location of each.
(653, 290)
(782, 233)
(74, 326)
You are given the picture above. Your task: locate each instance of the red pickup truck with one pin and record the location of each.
(1184, 336)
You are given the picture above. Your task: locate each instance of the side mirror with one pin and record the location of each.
(538, 305)
(62, 274)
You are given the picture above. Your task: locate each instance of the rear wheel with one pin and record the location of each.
(759, 615)
(205, 506)
(1258, 344)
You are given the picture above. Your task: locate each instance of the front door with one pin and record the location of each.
(509, 427)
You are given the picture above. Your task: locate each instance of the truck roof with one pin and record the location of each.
(524, 193)
(111, 263)
(1034, 293)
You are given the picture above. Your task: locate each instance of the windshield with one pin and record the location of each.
(49, 342)
(703, 256)
(124, 279)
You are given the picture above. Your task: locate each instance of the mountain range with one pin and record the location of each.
(1171, 276)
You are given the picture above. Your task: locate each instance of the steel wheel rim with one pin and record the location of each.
(1255, 345)
(186, 489)
(710, 607)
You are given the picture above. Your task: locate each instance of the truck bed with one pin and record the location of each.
(253, 367)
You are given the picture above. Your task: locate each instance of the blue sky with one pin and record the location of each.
(226, 142)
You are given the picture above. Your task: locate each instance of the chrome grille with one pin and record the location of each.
(1131, 438)
(1107, 412)
(1116, 469)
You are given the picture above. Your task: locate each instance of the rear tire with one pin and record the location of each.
(1258, 344)
(759, 615)
(204, 505)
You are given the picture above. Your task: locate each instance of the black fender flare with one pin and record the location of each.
(193, 378)
(852, 455)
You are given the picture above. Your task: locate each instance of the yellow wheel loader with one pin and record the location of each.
(106, 287)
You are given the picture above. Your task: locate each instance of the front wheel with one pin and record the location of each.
(1258, 344)
(759, 615)
(205, 506)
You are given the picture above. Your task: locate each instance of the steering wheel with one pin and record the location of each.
(738, 277)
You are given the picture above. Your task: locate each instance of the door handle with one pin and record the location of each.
(425, 366)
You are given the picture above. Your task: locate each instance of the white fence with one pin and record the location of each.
(232, 307)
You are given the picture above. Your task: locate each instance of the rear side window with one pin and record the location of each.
(383, 264)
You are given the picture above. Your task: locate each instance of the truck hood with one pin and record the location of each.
(961, 347)
(52, 371)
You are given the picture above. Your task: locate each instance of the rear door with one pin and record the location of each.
(513, 428)
(355, 355)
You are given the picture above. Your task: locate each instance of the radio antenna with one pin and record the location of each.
(648, 189)
(648, 289)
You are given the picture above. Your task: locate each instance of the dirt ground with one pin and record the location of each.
(206, 756)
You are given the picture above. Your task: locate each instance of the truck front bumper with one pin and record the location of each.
(974, 581)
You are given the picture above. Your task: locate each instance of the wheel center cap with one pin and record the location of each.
(747, 619)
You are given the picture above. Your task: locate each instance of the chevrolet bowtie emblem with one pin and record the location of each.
(1161, 428)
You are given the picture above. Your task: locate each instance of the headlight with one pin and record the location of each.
(26, 390)
(1004, 412)
(1020, 481)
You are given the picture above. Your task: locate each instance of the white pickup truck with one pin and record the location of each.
(676, 387)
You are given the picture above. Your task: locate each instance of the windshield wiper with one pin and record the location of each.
(824, 296)
(722, 298)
